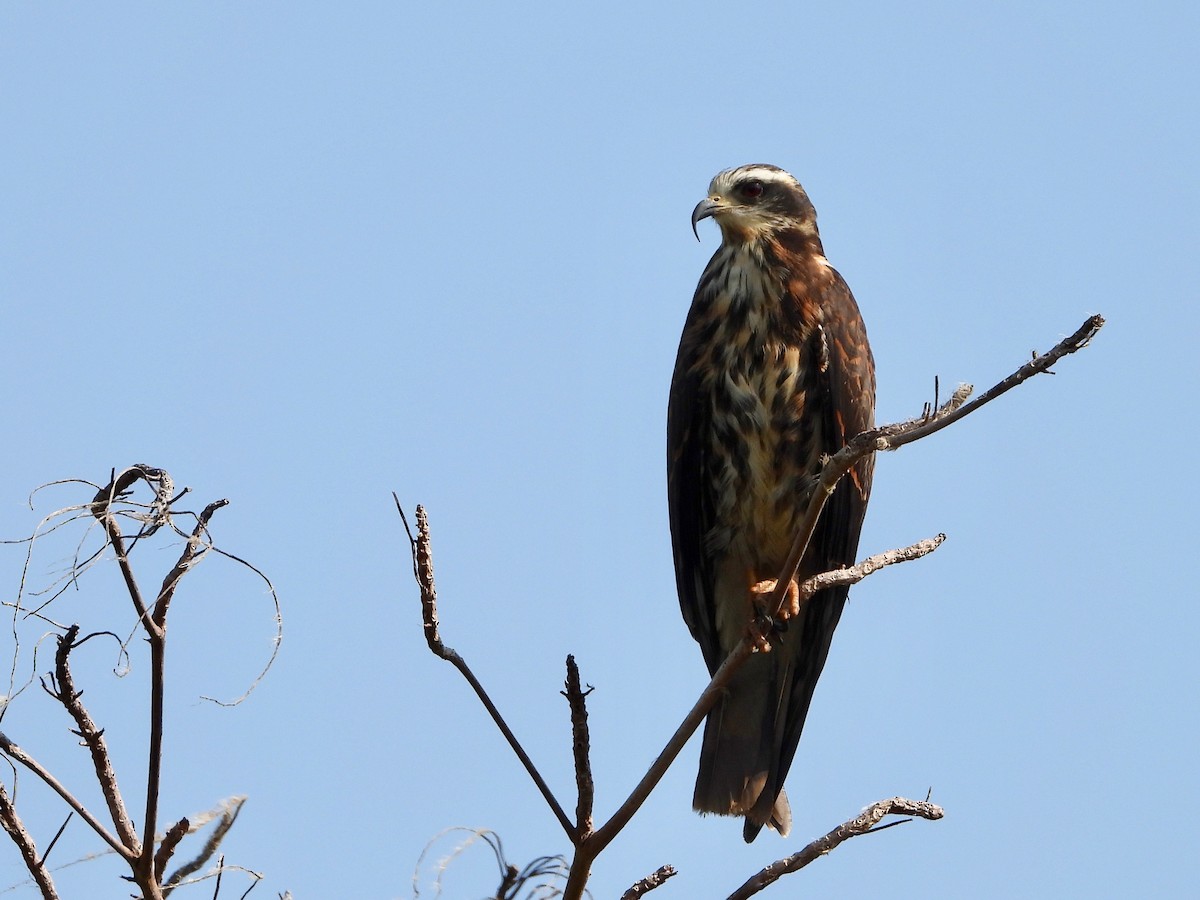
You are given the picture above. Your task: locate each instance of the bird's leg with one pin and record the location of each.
(762, 621)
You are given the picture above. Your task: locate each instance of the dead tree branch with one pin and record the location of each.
(93, 739)
(148, 853)
(15, 753)
(863, 823)
(649, 883)
(12, 824)
(856, 573)
(581, 747)
(166, 847)
(893, 437)
(423, 571)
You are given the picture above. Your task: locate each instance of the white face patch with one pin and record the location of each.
(724, 181)
(742, 218)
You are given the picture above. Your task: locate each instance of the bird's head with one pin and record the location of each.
(753, 201)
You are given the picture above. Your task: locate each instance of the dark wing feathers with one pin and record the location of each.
(688, 498)
(848, 402)
(849, 405)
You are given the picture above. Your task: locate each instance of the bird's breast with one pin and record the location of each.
(758, 377)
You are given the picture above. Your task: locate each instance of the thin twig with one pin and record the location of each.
(197, 545)
(864, 823)
(581, 749)
(423, 569)
(720, 681)
(11, 750)
(604, 835)
(166, 849)
(220, 872)
(54, 840)
(109, 507)
(101, 508)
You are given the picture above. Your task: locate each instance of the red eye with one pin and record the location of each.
(752, 189)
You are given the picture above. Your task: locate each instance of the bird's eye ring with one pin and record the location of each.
(752, 189)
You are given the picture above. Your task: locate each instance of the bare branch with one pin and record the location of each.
(856, 573)
(591, 848)
(649, 883)
(109, 506)
(892, 437)
(863, 823)
(12, 751)
(166, 849)
(156, 630)
(11, 823)
(57, 835)
(93, 739)
(423, 570)
(195, 548)
(101, 508)
(720, 682)
(581, 747)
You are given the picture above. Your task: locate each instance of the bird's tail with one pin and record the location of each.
(740, 754)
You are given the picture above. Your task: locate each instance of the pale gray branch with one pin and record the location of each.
(860, 824)
(856, 573)
(649, 883)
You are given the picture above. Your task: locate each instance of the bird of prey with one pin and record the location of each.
(773, 374)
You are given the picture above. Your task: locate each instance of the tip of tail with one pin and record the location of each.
(780, 819)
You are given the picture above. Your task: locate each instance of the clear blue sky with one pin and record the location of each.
(305, 254)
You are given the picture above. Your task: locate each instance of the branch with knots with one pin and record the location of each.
(146, 851)
(588, 841)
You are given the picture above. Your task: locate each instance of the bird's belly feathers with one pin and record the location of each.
(763, 448)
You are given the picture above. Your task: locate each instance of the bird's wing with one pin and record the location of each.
(847, 399)
(849, 404)
(689, 503)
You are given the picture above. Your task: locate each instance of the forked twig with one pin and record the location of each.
(423, 570)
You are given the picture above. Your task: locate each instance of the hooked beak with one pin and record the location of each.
(704, 209)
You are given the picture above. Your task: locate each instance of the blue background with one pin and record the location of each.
(303, 254)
